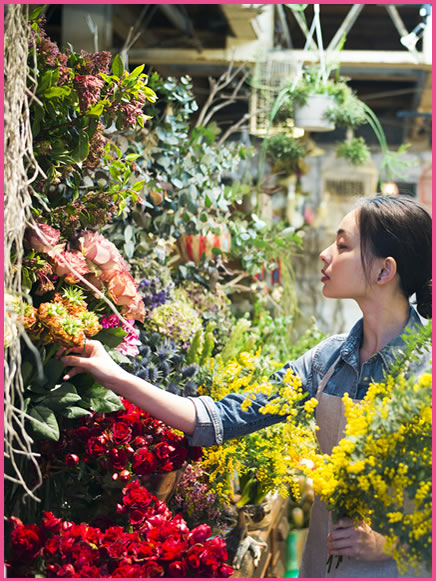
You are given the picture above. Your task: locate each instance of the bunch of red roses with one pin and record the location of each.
(127, 443)
(154, 544)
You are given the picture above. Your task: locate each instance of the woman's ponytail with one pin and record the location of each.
(424, 300)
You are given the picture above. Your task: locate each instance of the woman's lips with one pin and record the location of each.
(325, 277)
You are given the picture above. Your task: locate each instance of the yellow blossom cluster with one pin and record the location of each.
(380, 472)
(267, 459)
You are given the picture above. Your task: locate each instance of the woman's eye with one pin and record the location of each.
(340, 246)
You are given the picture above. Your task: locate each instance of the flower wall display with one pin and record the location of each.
(152, 543)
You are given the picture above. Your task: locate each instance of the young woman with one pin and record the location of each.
(380, 258)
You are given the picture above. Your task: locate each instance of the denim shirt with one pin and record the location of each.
(224, 419)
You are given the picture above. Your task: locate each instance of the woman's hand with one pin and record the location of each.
(359, 542)
(93, 359)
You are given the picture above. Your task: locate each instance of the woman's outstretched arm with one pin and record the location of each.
(176, 411)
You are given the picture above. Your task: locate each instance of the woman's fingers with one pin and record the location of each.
(72, 372)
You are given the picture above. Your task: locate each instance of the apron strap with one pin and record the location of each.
(326, 377)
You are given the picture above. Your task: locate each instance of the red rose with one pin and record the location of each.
(225, 570)
(172, 548)
(71, 460)
(26, 541)
(121, 433)
(140, 442)
(127, 570)
(143, 461)
(199, 534)
(97, 446)
(178, 568)
(89, 571)
(119, 458)
(136, 496)
(51, 523)
(66, 571)
(163, 450)
(51, 546)
(167, 466)
(152, 569)
(137, 517)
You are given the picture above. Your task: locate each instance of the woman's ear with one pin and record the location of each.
(387, 271)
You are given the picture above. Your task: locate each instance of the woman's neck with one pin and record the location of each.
(382, 324)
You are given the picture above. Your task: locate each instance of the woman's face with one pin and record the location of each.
(343, 275)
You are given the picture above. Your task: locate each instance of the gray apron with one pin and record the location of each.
(330, 417)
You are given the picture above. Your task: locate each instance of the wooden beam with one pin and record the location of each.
(240, 53)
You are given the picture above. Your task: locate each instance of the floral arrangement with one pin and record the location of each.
(96, 258)
(153, 543)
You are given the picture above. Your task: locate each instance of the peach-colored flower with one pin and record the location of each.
(43, 238)
(122, 288)
(102, 254)
(135, 309)
(74, 259)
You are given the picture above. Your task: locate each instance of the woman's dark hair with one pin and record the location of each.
(398, 226)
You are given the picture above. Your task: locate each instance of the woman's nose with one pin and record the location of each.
(325, 255)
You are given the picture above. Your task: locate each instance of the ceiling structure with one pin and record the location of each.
(202, 39)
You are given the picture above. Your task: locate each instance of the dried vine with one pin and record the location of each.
(21, 169)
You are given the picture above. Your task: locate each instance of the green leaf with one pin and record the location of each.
(81, 150)
(62, 397)
(46, 425)
(101, 399)
(118, 66)
(57, 92)
(111, 337)
(138, 185)
(74, 412)
(36, 12)
(136, 72)
(53, 370)
(45, 82)
(96, 109)
(118, 357)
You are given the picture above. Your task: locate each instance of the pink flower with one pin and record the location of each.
(130, 342)
(43, 238)
(66, 259)
(102, 254)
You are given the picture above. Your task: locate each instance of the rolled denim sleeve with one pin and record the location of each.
(209, 428)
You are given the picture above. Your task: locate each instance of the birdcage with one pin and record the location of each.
(270, 75)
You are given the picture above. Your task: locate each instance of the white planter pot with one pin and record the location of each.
(311, 116)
